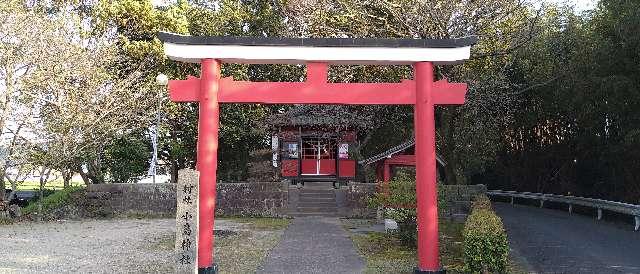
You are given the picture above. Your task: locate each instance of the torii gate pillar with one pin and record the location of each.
(207, 159)
(426, 189)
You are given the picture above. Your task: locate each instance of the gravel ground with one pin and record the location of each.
(96, 246)
(121, 246)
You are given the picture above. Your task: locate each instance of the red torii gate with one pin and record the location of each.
(210, 90)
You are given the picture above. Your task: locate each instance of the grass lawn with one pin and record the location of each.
(53, 185)
(245, 252)
(385, 253)
(261, 223)
(242, 249)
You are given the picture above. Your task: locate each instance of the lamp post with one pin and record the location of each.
(161, 80)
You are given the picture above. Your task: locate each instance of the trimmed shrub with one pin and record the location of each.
(408, 233)
(485, 245)
(481, 202)
(400, 194)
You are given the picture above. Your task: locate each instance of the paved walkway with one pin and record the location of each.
(314, 245)
(552, 241)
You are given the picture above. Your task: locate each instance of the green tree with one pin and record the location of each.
(468, 136)
(133, 26)
(136, 24)
(578, 125)
(126, 159)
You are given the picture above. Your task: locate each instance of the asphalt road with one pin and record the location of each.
(552, 241)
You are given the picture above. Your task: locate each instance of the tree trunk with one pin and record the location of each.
(41, 197)
(44, 176)
(66, 177)
(94, 173)
(2, 186)
(84, 176)
(174, 171)
(13, 183)
(447, 147)
(449, 173)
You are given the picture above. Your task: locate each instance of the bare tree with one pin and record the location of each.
(73, 107)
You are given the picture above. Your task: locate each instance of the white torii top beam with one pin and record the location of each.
(268, 50)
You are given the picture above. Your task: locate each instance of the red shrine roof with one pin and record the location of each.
(394, 150)
(330, 116)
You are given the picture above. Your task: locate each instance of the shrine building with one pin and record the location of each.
(314, 143)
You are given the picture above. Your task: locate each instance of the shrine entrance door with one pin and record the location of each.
(318, 156)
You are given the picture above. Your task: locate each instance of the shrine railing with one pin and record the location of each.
(598, 204)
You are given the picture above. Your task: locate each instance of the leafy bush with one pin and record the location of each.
(400, 194)
(485, 244)
(55, 200)
(481, 202)
(408, 233)
(398, 198)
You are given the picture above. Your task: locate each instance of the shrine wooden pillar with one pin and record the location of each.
(386, 173)
(207, 158)
(386, 177)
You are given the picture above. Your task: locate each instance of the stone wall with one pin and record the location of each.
(453, 200)
(132, 199)
(247, 199)
(353, 199)
(252, 199)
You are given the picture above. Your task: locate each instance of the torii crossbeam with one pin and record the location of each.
(210, 90)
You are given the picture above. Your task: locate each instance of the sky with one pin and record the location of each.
(581, 5)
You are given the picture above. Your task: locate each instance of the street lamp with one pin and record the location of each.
(161, 80)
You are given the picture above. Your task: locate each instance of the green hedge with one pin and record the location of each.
(486, 249)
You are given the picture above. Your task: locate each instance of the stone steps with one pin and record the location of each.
(317, 209)
(307, 214)
(315, 191)
(305, 195)
(318, 185)
(317, 203)
(316, 199)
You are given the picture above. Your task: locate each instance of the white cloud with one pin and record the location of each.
(159, 3)
(580, 5)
